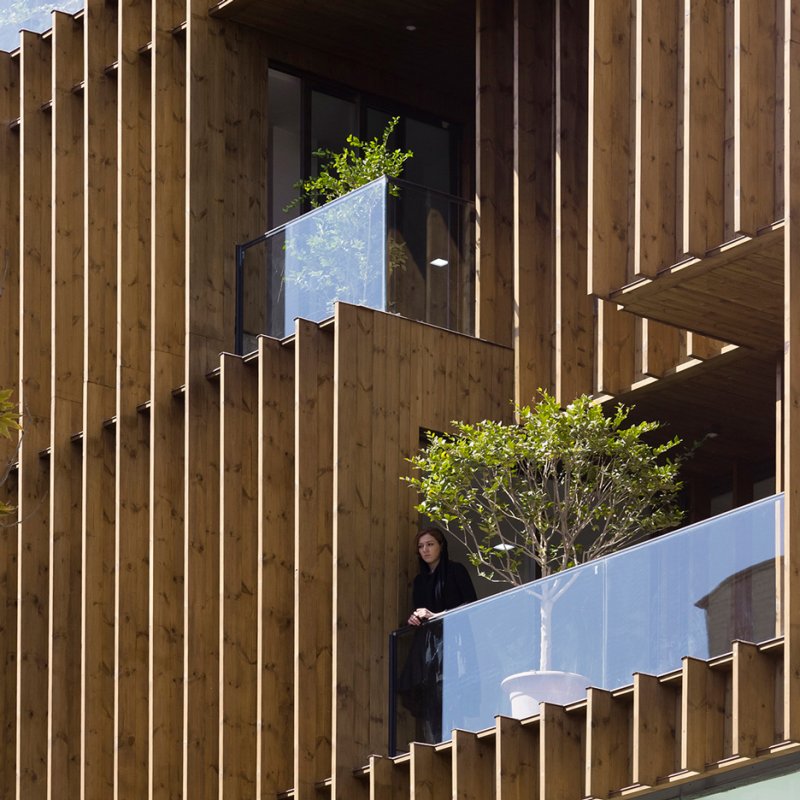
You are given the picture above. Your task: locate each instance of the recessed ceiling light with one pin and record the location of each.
(411, 28)
(439, 262)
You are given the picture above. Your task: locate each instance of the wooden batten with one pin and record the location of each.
(534, 245)
(754, 95)
(32, 680)
(608, 743)
(430, 773)
(99, 380)
(66, 406)
(516, 759)
(609, 142)
(561, 752)
(473, 766)
(615, 349)
(655, 730)
(313, 545)
(133, 388)
(753, 700)
(660, 348)
(655, 135)
(574, 308)
(703, 152)
(702, 715)
(494, 170)
(240, 565)
(387, 781)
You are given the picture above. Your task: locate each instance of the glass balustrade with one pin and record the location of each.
(389, 245)
(688, 593)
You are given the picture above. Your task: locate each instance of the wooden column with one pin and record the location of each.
(66, 407)
(133, 390)
(494, 170)
(34, 395)
(791, 376)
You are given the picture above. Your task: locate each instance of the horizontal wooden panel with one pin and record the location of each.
(735, 293)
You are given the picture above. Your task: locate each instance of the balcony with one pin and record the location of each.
(689, 593)
(391, 246)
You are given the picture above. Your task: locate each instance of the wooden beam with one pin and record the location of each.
(533, 218)
(703, 205)
(608, 742)
(610, 167)
(574, 320)
(655, 743)
(494, 170)
(133, 388)
(314, 422)
(66, 406)
(655, 136)
(516, 760)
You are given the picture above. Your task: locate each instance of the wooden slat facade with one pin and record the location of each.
(211, 549)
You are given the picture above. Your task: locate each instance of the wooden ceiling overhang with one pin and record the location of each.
(734, 293)
(429, 41)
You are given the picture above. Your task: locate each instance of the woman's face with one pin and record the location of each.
(430, 550)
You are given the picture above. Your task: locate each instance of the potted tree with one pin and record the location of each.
(561, 487)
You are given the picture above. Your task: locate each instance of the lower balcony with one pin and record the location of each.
(642, 610)
(389, 245)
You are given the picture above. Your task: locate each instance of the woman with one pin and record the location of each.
(440, 585)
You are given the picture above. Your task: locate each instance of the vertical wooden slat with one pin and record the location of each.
(609, 144)
(473, 767)
(660, 347)
(167, 457)
(494, 169)
(561, 753)
(614, 348)
(239, 572)
(133, 389)
(703, 347)
(608, 735)
(276, 532)
(702, 715)
(386, 781)
(703, 163)
(516, 760)
(9, 375)
(791, 378)
(534, 253)
(574, 321)
(99, 380)
(754, 115)
(753, 700)
(656, 102)
(654, 730)
(66, 414)
(34, 395)
(313, 541)
(430, 774)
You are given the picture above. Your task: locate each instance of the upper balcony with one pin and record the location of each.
(389, 245)
(642, 610)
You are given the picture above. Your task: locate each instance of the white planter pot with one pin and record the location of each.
(527, 689)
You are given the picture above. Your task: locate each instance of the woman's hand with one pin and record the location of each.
(419, 616)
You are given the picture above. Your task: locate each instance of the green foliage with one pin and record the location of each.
(9, 425)
(562, 487)
(356, 165)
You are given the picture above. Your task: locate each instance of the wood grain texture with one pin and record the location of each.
(608, 743)
(561, 753)
(473, 766)
(32, 600)
(655, 730)
(516, 760)
(702, 715)
(753, 700)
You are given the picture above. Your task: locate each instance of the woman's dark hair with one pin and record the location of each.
(441, 570)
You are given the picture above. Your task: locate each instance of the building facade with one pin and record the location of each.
(212, 548)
